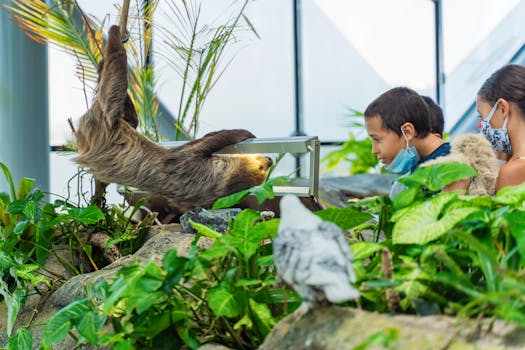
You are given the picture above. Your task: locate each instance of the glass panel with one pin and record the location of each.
(355, 50)
(479, 37)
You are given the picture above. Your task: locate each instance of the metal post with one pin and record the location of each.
(24, 139)
(440, 73)
(298, 78)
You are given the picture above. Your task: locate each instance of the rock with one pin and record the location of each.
(335, 328)
(218, 220)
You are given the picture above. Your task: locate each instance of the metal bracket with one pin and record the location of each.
(293, 145)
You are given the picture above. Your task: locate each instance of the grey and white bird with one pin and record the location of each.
(312, 256)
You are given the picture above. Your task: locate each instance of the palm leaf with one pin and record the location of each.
(55, 25)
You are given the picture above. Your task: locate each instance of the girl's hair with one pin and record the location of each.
(507, 82)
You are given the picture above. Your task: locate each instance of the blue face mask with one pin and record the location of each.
(405, 160)
(498, 138)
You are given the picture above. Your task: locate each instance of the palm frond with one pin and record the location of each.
(54, 25)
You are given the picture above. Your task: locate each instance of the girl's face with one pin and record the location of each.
(386, 144)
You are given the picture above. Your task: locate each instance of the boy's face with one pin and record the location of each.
(386, 144)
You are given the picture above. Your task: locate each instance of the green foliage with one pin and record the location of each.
(223, 294)
(358, 153)
(31, 229)
(451, 253)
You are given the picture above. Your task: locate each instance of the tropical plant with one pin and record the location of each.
(449, 253)
(357, 153)
(194, 51)
(31, 229)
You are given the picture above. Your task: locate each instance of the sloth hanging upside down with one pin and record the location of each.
(188, 176)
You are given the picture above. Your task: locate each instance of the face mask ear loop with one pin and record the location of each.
(406, 140)
(491, 113)
(505, 122)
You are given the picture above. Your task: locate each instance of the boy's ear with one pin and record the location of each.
(410, 130)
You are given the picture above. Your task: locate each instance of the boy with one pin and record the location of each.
(398, 122)
(437, 121)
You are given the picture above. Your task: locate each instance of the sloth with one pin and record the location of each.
(189, 176)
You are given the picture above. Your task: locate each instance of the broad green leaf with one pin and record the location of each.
(125, 344)
(406, 197)
(266, 260)
(244, 321)
(20, 227)
(345, 218)
(21, 340)
(90, 324)
(219, 249)
(88, 215)
(231, 200)
(517, 229)
(224, 303)
(263, 192)
(425, 221)
(435, 177)
(125, 284)
(242, 236)
(266, 229)
(511, 195)
(44, 241)
(262, 316)
(25, 187)
(14, 301)
(174, 266)
(363, 250)
(16, 207)
(205, 230)
(27, 272)
(30, 210)
(60, 323)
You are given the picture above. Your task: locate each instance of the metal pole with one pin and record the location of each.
(298, 78)
(440, 73)
(24, 130)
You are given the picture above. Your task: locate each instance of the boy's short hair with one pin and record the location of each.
(437, 122)
(398, 106)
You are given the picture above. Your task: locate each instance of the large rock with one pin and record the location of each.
(337, 328)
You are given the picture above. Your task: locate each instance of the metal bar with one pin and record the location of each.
(298, 82)
(294, 145)
(440, 72)
(314, 149)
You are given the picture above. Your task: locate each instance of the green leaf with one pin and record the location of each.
(30, 210)
(20, 227)
(224, 303)
(9, 179)
(363, 250)
(90, 324)
(437, 176)
(517, 229)
(26, 272)
(14, 301)
(425, 222)
(21, 340)
(406, 197)
(345, 218)
(87, 216)
(242, 236)
(262, 317)
(511, 195)
(263, 192)
(205, 230)
(16, 207)
(60, 323)
(25, 187)
(247, 282)
(124, 285)
(231, 200)
(266, 229)
(174, 266)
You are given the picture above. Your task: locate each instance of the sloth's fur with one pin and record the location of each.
(189, 176)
